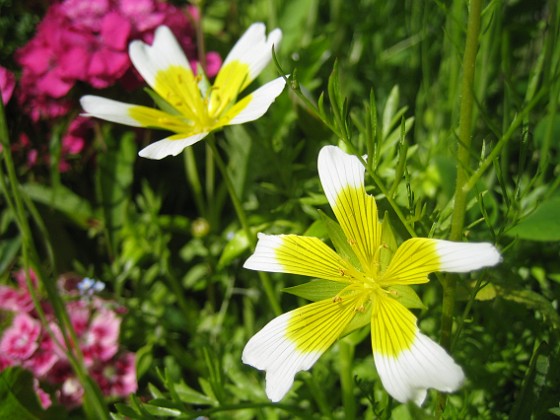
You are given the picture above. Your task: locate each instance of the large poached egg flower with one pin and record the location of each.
(367, 277)
(191, 107)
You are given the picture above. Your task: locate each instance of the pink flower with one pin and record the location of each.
(15, 300)
(20, 339)
(71, 392)
(213, 63)
(44, 398)
(100, 342)
(86, 14)
(7, 84)
(117, 378)
(5, 362)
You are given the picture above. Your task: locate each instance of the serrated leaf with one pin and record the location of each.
(532, 300)
(339, 240)
(315, 290)
(406, 296)
(541, 225)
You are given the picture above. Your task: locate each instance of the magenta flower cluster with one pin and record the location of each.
(87, 41)
(41, 349)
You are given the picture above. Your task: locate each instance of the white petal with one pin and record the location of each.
(461, 257)
(425, 365)
(260, 101)
(162, 54)
(264, 257)
(169, 147)
(254, 49)
(337, 171)
(109, 110)
(269, 350)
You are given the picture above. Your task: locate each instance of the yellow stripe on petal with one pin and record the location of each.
(412, 262)
(393, 327)
(294, 341)
(154, 118)
(302, 255)
(230, 81)
(316, 326)
(179, 87)
(342, 177)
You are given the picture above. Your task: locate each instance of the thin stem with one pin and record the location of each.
(94, 400)
(242, 217)
(346, 379)
(463, 165)
(191, 171)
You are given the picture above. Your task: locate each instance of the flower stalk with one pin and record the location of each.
(95, 404)
(463, 168)
(242, 217)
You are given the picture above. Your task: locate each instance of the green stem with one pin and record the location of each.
(463, 165)
(346, 378)
(242, 217)
(93, 399)
(194, 180)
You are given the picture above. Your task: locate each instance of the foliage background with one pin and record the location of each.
(173, 254)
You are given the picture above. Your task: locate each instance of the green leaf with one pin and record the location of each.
(144, 360)
(315, 290)
(17, 396)
(191, 396)
(161, 103)
(339, 240)
(541, 225)
(114, 179)
(62, 199)
(360, 320)
(234, 248)
(534, 301)
(535, 379)
(407, 296)
(388, 241)
(8, 250)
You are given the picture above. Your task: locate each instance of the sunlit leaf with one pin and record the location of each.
(315, 290)
(541, 225)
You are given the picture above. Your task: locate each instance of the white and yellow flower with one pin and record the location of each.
(367, 276)
(193, 109)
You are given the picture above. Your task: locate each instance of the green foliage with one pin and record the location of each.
(381, 79)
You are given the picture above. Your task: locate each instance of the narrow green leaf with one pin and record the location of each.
(161, 103)
(62, 199)
(407, 296)
(114, 179)
(389, 111)
(339, 240)
(234, 248)
(317, 289)
(191, 396)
